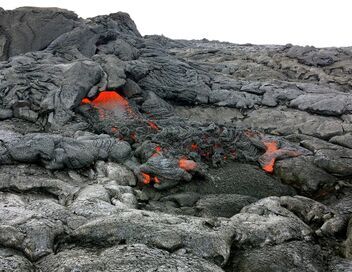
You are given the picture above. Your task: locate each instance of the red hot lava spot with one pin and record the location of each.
(157, 152)
(108, 100)
(146, 178)
(153, 125)
(156, 180)
(194, 147)
(187, 164)
(271, 147)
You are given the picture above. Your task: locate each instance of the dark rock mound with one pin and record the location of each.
(30, 29)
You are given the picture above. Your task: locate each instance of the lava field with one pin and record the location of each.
(123, 152)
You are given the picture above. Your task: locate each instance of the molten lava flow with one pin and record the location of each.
(194, 147)
(157, 152)
(150, 116)
(271, 147)
(153, 125)
(146, 178)
(187, 164)
(108, 100)
(85, 101)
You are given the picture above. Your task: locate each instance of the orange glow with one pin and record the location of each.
(156, 180)
(108, 100)
(194, 147)
(153, 125)
(269, 167)
(85, 101)
(146, 178)
(187, 164)
(158, 151)
(271, 147)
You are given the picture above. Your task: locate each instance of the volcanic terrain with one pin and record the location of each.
(123, 152)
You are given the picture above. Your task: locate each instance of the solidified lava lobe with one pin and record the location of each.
(187, 164)
(108, 100)
(271, 147)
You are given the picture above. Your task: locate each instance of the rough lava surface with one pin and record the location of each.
(123, 152)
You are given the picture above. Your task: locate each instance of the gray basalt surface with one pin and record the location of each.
(166, 171)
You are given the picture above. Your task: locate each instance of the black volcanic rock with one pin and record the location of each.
(243, 179)
(291, 256)
(30, 29)
(123, 258)
(123, 152)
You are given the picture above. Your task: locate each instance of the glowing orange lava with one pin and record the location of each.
(108, 100)
(146, 178)
(157, 152)
(153, 125)
(187, 164)
(194, 147)
(271, 147)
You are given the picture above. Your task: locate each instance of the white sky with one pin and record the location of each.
(305, 22)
